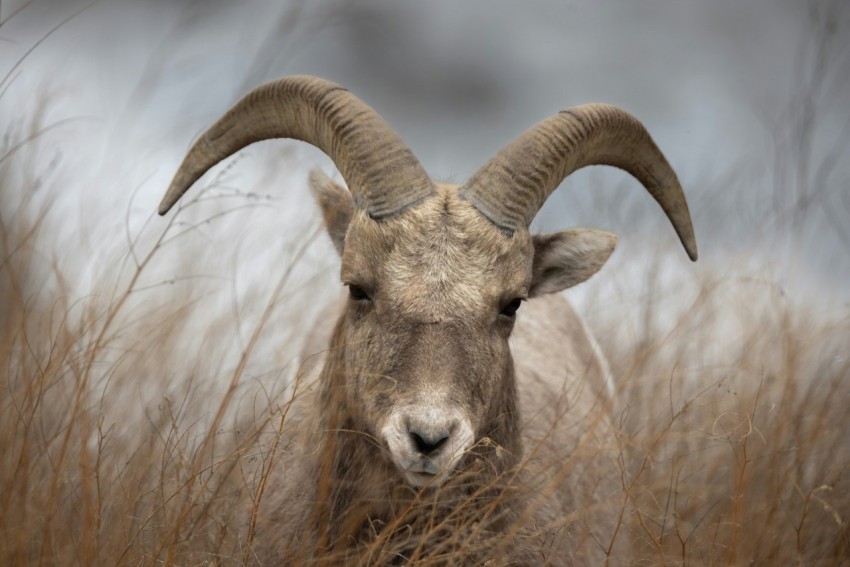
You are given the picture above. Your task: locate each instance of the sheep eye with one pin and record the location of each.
(510, 309)
(357, 293)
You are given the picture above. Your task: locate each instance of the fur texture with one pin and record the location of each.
(535, 484)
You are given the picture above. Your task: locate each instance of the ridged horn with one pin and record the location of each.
(382, 173)
(510, 188)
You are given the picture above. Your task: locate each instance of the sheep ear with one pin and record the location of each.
(564, 259)
(337, 206)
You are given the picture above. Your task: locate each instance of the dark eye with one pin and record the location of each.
(509, 310)
(357, 293)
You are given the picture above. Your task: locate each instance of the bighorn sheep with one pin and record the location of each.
(443, 424)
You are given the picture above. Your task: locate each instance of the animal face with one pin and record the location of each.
(433, 295)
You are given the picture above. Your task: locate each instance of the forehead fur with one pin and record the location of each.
(438, 260)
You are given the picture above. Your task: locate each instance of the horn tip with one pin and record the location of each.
(166, 204)
(179, 185)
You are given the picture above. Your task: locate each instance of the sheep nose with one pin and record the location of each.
(429, 443)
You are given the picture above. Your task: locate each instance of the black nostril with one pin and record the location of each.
(428, 444)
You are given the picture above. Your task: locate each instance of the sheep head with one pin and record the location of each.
(436, 272)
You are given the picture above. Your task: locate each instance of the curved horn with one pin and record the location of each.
(382, 173)
(510, 188)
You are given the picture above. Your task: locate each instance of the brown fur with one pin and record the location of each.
(536, 485)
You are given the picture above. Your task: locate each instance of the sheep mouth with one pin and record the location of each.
(423, 473)
(421, 478)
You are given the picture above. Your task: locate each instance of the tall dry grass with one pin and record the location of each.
(145, 399)
(118, 447)
(736, 430)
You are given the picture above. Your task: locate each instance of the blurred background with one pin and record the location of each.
(748, 101)
(142, 353)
